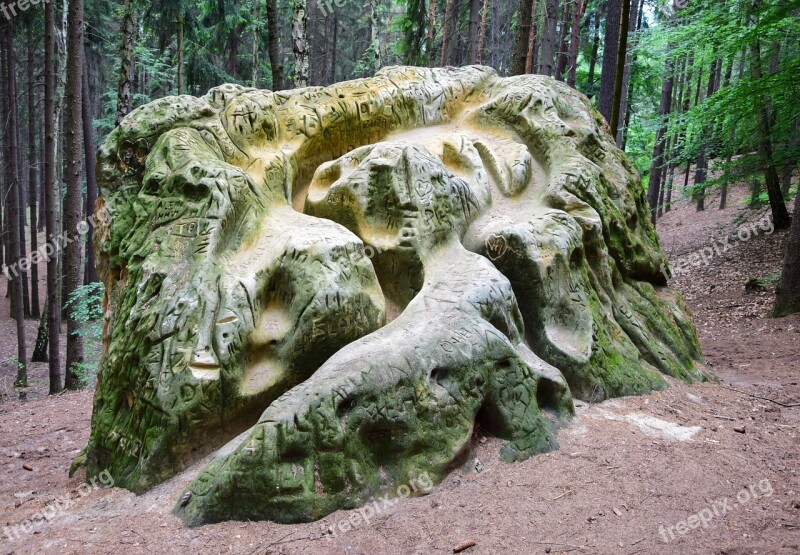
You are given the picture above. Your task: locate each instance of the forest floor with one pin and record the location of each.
(706, 468)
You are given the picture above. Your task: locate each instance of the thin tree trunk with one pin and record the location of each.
(90, 272)
(335, 46)
(787, 294)
(657, 161)
(482, 32)
(73, 203)
(610, 49)
(474, 29)
(256, 42)
(432, 28)
(780, 216)
(790, 166)
(375, 44)
(563, 52)
(546, 56)
(522, 37)
(181, 26)
(636, 15)
(16, 202)
(595, 50)
(300, 42)
(446, 30)
(531, 55)
(619, 74)
(33, 179)
(701, 171)
(575, 40)
(686, 104)
(276, 66)
(124, 91)
(53, 301)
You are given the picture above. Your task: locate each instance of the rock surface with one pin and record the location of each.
(371, 267)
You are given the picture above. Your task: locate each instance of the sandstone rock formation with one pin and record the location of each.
(353, 275)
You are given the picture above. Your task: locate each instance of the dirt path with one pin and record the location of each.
(694, 469)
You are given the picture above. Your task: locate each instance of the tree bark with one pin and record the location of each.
(276, 66)
(575, 41)
(181, 26)
(619, 73)
(636, 15)
(610, 49)
(33, 179)
(90, 272)
(563, 52)
(73, 202)
(531, 55)
(53, 300)
(300, 42)
(482, 32)
(15, 202)
(522, 37)
(124, 90)
(657, 161)
(549, 38)
(787, 294)
(474, 29)
(40, 348)
(780, 216)
(374, 43)
(595, 50)
(786, 178)
(432, 28)
(701, 170)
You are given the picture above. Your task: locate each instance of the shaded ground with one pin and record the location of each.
(633, 475)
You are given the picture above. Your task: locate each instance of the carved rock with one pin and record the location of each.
(357, 274)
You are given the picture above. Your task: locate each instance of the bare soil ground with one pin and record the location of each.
(707, 468)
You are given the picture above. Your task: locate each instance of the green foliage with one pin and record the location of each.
(85, 305)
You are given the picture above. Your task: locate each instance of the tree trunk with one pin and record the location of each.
(787, 295)
(90, 272)
(335, 46)
(40, 348)
(636, 15)
(780, 216)
(272, 46)
(549, 38)
(701, 171)
(610, 49)
(181, 25)
(53, 300)
(595, 50)
(375, 44)
(73, 202)
(474, 29)
(15, 202)
(256, 42)
(575, 40)
(432, 29)
(482, 33)
(657, 161)
(124, 91)
(531, 55)
(619, 73)
(522, 37)
(786, 179)
(300, 43)
(563, 53)
(33, 179)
